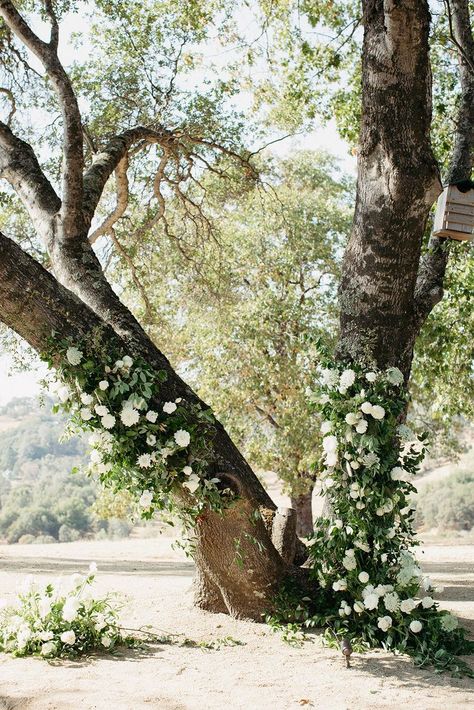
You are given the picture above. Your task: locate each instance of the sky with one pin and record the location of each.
(26, 383)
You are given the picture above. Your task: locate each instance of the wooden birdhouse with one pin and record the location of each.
(454, 218)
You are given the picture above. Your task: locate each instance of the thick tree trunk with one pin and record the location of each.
(303, 505)
(397, 184)
(239, 566)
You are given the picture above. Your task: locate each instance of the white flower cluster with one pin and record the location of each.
(47, 621)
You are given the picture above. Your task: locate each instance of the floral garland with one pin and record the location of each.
(361, 554)
(151, 454)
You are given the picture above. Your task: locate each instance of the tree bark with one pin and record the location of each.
(303, 505)
(397, 184)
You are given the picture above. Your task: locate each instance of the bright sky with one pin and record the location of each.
(26, 384)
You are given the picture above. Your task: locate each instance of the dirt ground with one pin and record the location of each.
(265, 673)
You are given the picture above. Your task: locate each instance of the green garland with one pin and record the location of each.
(370, 587)
(158, 453)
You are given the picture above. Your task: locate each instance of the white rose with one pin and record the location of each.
(407, 606)
(182, 437)
(352, 418)
(47, 648)
(151, 440)
(86, 398)
(330, 444)
(101, 410)
(103, 385)
(371, 601)
(127, 361)
(106, 641)
(64, 394)
(361, 426)
(359, 607)
(366, 407)
(151, 416)
(427, 602)
(416, 626)
(363, 577)
(371, 376)
(169, 407)
(331, 459)
(349, 563)
(377, 412)
(46, 635)
(68, 637)
(384, 623)
(187, 470)
(326, 427)
(86, 414)
(74, 356)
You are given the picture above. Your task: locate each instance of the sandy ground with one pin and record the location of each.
(265, 673)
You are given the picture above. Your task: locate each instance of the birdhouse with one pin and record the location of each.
(454, 218)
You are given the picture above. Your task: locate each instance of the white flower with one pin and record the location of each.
(416, 626)
(68, 637)
(182, 437)
(74, 356)
(106, 641)
(349, 563)
(371, 601)
(127, 361)
(70, 608)
(427, 602)
(391, 601)
(192, 484)
(64, 394)
(129, 416)
(361, 426)
(394, 376)
(187, 470)
(377, 412)
(86, 398)
(119, 364)
(45, 608)
(355, 464)
(144, 461)
(371, 376)
(407, 606)
(340, 585)
(352, 418)
(165, 452)
(151, 416)
(339, 524)
(151, 440)
(363, 577)
(96, 456)
(146, 499)
(449, 622)
(359, 607)
(331, 460)
(384, 557)
(330, 444)
(47, 648)
(384, 622)
(169, 407)
(366, 407)
(103, 385)
(101, 410)
(398, 474)
(326, 427)
(347, 379)
(108, 421)
(46, 635)
(329, 378)
(362, 545)
(86, 414)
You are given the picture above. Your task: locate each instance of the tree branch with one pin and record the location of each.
(429, 287)
(73, 159)
(19, 165)
(121, 183)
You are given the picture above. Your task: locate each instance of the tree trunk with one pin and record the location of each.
(240, 567)
(303, 504)
(397, 184)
